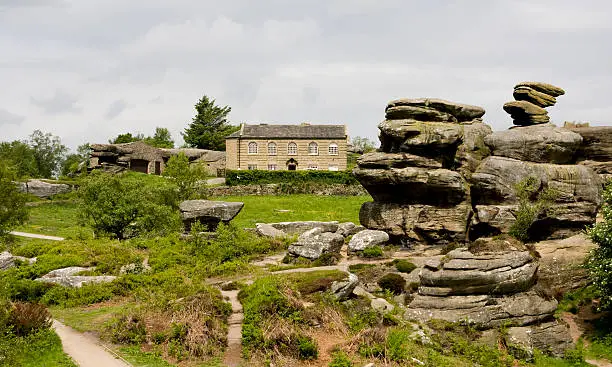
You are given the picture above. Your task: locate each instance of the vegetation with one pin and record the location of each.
(260, 177)
(372, 252)
(392, 282)
(40, 155)
(74, 161)
(534, 201)
(189, 178)
(209, 127)
(127, 204)
(403, 266)
(160, 139)
(599, 263)
(363, 145)
(12, 202)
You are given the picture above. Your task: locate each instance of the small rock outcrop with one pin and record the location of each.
(42, 189)
(418, 179)
(596, 149)
(530, 100)
(8, 261)
(266, 230)
(209, 213)
(487, 284)
(67, 277)
(301, 227)
(367, 238)
(315, 242)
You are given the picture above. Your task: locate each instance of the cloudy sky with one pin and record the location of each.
(87, 70)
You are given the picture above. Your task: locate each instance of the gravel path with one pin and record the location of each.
(39, 236)
(86, 350)
(233, 353)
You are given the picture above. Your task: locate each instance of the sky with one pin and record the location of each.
(87, 70)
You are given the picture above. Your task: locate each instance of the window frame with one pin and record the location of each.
(289, 146)
(251, 167)
(272, 167)
(316, 146)
(253, 144)
(274, 146)
(333, 146)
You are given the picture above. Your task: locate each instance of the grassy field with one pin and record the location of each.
(56, 219)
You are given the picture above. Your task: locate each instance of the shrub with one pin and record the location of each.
(189, 178)
(394, 283)
(533, 202)
(127, 329)
(340, 359)
(26, 318)
(599, 263)
(260, 177)
(404, 266)
(372, 252)
(12, 203)
(307, 348)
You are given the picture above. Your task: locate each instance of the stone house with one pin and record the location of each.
(141, 157)
(287, 147)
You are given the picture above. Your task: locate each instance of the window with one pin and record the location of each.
(252, 148)
(313, 167)
(313, 149)
(333, 149)
(332, 168)
(271, 148)
(252, 167)
(292, 149)
(271, 167)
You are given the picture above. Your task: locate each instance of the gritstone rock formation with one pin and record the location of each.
(530, 100)
(418, 179)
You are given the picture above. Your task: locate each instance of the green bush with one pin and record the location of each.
(260, 177)
(534, 201)
(307, 348)
(127, 329)
(372, 252)
(189, 178)
(12, 203)
(404, 266)
(340, 359)
(394, 283)
(599, 263)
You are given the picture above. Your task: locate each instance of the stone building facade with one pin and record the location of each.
(287, 147)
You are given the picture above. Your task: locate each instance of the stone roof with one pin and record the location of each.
(302, 131)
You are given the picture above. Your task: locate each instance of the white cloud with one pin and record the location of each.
(8, 118)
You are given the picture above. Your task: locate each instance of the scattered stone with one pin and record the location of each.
(342, 290)
(135, 268)
(8, 261)
(301, 227)
(359, 291)
(367, 238)
(209, 213)
(266, 230)
(314, 243)
(381, 305)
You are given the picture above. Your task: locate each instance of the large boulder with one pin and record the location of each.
(472, 149)
(266, 230)
(343, 289)
(44, 189)
(526, 113)
(460, 112)
(552, 338)
(538, 143)
(529, 94)
(413, 185)
(381, 160)
(422, 138)
(210, 213)
(67, 277)
(314, 243)
(418, 223)
(301, 227)
(545, 88)
(484, 311)
(596, 148)
(366, 239)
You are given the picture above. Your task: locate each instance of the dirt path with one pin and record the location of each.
(39, 236)
(233, 353)
(86, 350)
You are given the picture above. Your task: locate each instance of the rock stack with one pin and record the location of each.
(544, 153)
(418, 178)
(530, 100)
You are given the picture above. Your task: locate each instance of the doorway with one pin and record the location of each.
(292, 164)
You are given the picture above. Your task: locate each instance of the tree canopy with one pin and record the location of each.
(160, 139)
(39, 156)
(210, 126)
(12, 202)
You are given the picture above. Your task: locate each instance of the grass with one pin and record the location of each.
(86, 318)
(42, 349)
(56, 219)
(258, 209)
(138, 358)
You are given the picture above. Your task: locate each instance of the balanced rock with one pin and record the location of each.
(460, 112)
(538, 143)
(531, 95)
(209, 213)
(545, 88)
(367, 238)
(314, 243)
(526, 113)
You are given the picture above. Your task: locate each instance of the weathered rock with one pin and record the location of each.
(381, 305)
(267, 230)
(483, 311)
(65, 277)
(462, 112)
(545, 88)
(412, 185)
(135, 268)
(526, 113)
(44, 189)
(539, 143)
(418, 113)
(301, 227)
(367, 238)
(315, 243)
(472, 149)
(465, 273)
(380, 160)
(418, 223)
(349, 229)
(210, 213)
(8, 261)
(551, 338)
(417, 137)
(344, 288)
(596, 148)
(531, 95)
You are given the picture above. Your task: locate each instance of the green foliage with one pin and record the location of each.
(161, 139)
(404, 266)
(42, 348)
(128, 204)
(209, 127)
(307, 348)
(340, 359)
(12, 202)
(533, 202)
(21, 156)
(599, 263)
(127, 329)
(363, 145)
(126, 138)
(395, 283)
(261, 177)
(189, 178)
(357, 268)
(73, 162)
(372, 252)
(48, 153)
(26, 318)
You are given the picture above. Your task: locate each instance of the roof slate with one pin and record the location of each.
(291, 131)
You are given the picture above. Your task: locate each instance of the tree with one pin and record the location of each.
(161, 139)
(21, 157)
(190, 179)
(128, 204)
(363, 145)
(73, 162)
(126, 138)
(599, 263)
(48, 152)
(12, 202)
(209, 127)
